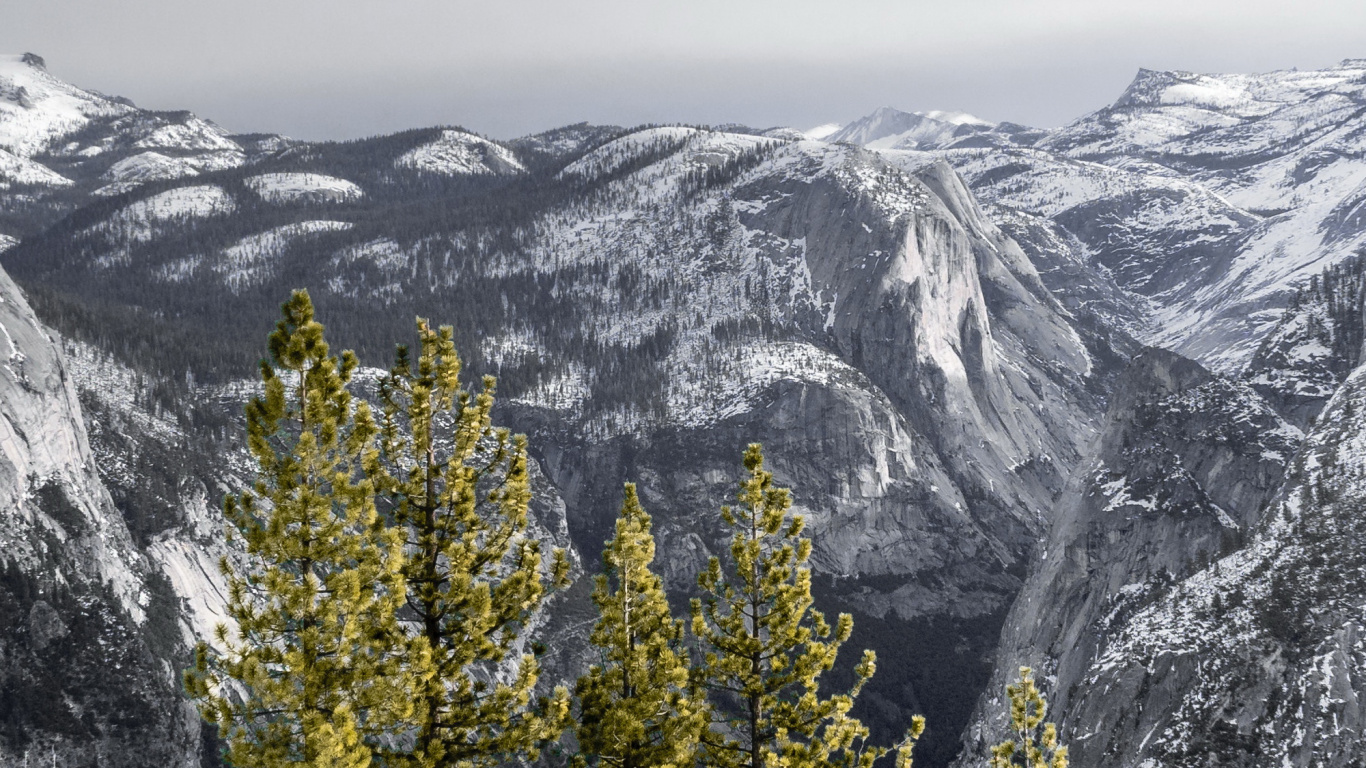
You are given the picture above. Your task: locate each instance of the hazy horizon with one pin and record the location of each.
(335, 70)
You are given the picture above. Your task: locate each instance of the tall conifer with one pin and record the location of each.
(635, 711)
(765, 648)
(304, 676)
(459, 490)
(1032, 743)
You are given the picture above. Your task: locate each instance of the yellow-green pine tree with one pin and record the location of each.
(1032, 743)
(765, 648)
(303, 676)
(635, 708)
(458, 489)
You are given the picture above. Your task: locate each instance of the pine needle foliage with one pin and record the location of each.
(458, 489)
(635, 707)
(1032, 743)
(764, 647)
(303, 676)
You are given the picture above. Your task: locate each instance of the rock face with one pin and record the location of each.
(1255, 660)
(89, 628)
(1182, 469)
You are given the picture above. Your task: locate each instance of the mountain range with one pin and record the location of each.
(1083, 398)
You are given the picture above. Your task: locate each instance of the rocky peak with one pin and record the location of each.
(1145, 90)
(34, 60)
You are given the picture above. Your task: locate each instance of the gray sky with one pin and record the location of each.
(318, 69)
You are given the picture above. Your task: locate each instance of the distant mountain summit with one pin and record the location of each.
(889, 128)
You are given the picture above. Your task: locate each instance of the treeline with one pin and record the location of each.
(1341, 289)
(391, 577)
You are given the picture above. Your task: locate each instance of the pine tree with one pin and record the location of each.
(635, 711)
(765, 647)
(303, 676)
(459, 490)
(1032, 743)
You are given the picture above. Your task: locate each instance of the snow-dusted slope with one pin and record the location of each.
(1256, 659)
(64, 144)
(303, 187)
(1182, 471)
(1260, 180)
(37, 110)
(457, 153)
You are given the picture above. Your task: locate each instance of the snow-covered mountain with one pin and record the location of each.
(933, 324)
(888, 128)
(651, 305)
(1209, 196)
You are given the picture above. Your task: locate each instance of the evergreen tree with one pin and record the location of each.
(635, 711)
(1032, 743)
(458, 488)
(765, 647)
(303, 677)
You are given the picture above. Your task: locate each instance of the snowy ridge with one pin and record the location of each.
(37, 109)
(303, 187)
(19, 170)
(144, 167)
(1283, 151)
(457, 153)
(140, 221)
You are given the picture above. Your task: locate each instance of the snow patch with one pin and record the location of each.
(303, 187)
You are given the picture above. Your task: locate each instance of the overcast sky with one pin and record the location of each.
(318, 69)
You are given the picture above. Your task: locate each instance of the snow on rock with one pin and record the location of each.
(823, 131)
(7, 242)
(457, 153)
(891, 128)
(1281, 151)
(20, 170)
(37, 109)
(150, 166)
(1184, 468)
(194, 134)
(303, 187)
(52, 496)
(1265, 648)
(618, 153)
